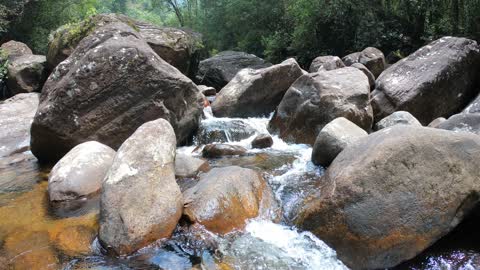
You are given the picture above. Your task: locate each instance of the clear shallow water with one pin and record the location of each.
(37, 235)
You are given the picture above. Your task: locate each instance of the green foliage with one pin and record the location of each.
(275, 29)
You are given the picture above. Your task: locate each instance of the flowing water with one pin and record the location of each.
(37, 235)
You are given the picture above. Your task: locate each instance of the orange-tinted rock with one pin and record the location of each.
(30, 250)
(75, 240)
(225, 198)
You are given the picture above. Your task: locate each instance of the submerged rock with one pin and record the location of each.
(326, 63)
(80, 172)
(223, 130)
(397, 118)
(111, 84)
(141, 201)
(16, 116)
(256, 92)
(394, 193)
(220, 69)
(188, 166)
(225, 198)
(438, 80)
(75, 240)
(262, 141)
(315, 100)
(334, 137)
(220, 150)
(26, 74)
(30, 250)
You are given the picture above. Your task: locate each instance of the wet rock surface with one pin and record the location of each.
(218, 130)
(141, 201)
(220, 150)
(262, 141)
(225, 198)
(111, 84)
(376, 206)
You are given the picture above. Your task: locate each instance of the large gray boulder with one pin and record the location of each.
(26, 74)
(16, 116)
(179, 47)
(256, 92)
(80, 172)
(438, 80)
(394, 193)
(397, 118)
(111, 84)
(326, 63)
(334, 137)
(225, 198)
(315, 100)
(141, 201)
(219, 70)
(462, 122)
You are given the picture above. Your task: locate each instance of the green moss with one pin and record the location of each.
(3, 64)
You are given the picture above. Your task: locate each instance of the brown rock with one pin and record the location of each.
(220, 150)
(75, 240)
(262, 141)
(225, 198)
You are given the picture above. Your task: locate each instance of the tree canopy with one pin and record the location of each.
(274, 29)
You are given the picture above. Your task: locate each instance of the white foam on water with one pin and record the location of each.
(267, 245)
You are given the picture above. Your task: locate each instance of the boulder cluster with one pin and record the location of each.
(117, 97)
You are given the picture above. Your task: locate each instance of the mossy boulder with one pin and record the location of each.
(179, 47)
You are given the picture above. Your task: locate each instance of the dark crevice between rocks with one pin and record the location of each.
(457, 249)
